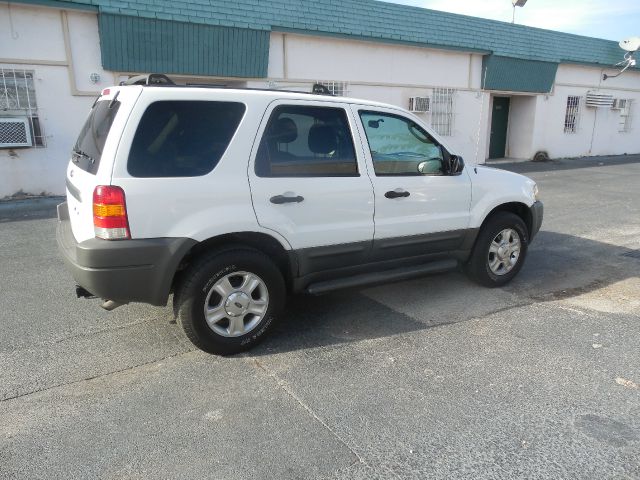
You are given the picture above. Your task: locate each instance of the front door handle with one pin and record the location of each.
(279, 199)
(394, 194)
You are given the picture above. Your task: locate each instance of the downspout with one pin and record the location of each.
(595, 115)
(482, 93)
(69, 56)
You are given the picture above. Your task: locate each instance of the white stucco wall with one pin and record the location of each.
(598, 129)
(32, 38)
(522, 112)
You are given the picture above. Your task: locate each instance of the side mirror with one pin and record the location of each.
(456, 165)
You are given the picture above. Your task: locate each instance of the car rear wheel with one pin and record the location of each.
(500, 250)
(227, 302)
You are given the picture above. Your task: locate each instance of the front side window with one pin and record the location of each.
(399, 146)
(303, 141)
(183, 138)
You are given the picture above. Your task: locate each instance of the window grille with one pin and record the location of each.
(18, 98)
(442, 110)
(572, 114)
(625, 117)
(339, 89)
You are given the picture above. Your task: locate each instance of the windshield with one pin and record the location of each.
(88, 148)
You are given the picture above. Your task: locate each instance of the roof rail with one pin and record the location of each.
(161, 80)
(149, 79)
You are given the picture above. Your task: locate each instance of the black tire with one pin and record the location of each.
(478, 266)
(198, 280)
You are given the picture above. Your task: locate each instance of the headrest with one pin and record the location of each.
(284, 130)
(322, 139)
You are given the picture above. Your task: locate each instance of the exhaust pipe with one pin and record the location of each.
(110, 305)
(82, 292)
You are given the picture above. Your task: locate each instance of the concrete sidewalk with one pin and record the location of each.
(29, 208)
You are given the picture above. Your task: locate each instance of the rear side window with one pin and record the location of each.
(301, 141)
(183, 138)
(88, 148)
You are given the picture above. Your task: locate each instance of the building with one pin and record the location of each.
(493, 89)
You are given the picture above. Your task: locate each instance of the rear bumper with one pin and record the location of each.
(139, 270)
(537, 212)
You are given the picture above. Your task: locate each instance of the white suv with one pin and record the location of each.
(232, 199)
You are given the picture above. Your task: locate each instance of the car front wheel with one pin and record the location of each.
(500, 250)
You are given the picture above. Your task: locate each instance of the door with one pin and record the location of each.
(419, 209)
(499, 123)
(93, 155)
(309, 184)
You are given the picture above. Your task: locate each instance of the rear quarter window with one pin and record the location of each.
(88, 148)
(183, 138)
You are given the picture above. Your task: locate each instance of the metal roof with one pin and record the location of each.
(373, 20)
(370, 20)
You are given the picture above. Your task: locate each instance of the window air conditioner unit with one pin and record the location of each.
(595, 99)
(419, 104)
(15, 132)
(619, 104)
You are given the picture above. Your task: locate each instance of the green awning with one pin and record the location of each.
(134, 44)
(517, 75)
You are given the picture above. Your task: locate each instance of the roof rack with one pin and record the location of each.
(161, 80)
(320, 89)
(149, 79)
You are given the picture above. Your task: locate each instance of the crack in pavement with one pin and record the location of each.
(284, 386)
(94, 377)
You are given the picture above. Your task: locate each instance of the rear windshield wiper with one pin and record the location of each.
(80, 153)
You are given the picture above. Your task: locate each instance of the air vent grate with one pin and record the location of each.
(596, 99)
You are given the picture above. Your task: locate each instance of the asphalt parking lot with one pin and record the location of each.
(432, 378)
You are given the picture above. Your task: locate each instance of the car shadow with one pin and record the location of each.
(558, 266)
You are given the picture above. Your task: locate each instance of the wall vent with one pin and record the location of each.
(419, 104)
(15, 132)
(595, 99)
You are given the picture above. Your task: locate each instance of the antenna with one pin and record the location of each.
(631, 45)
(516, 3)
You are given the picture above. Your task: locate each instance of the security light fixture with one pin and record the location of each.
(516, 3)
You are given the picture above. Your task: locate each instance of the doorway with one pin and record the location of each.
(499, 124)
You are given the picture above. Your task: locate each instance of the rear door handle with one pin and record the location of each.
(279, 199)
(394, 194)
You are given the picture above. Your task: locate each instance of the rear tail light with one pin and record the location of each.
(110, 220)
